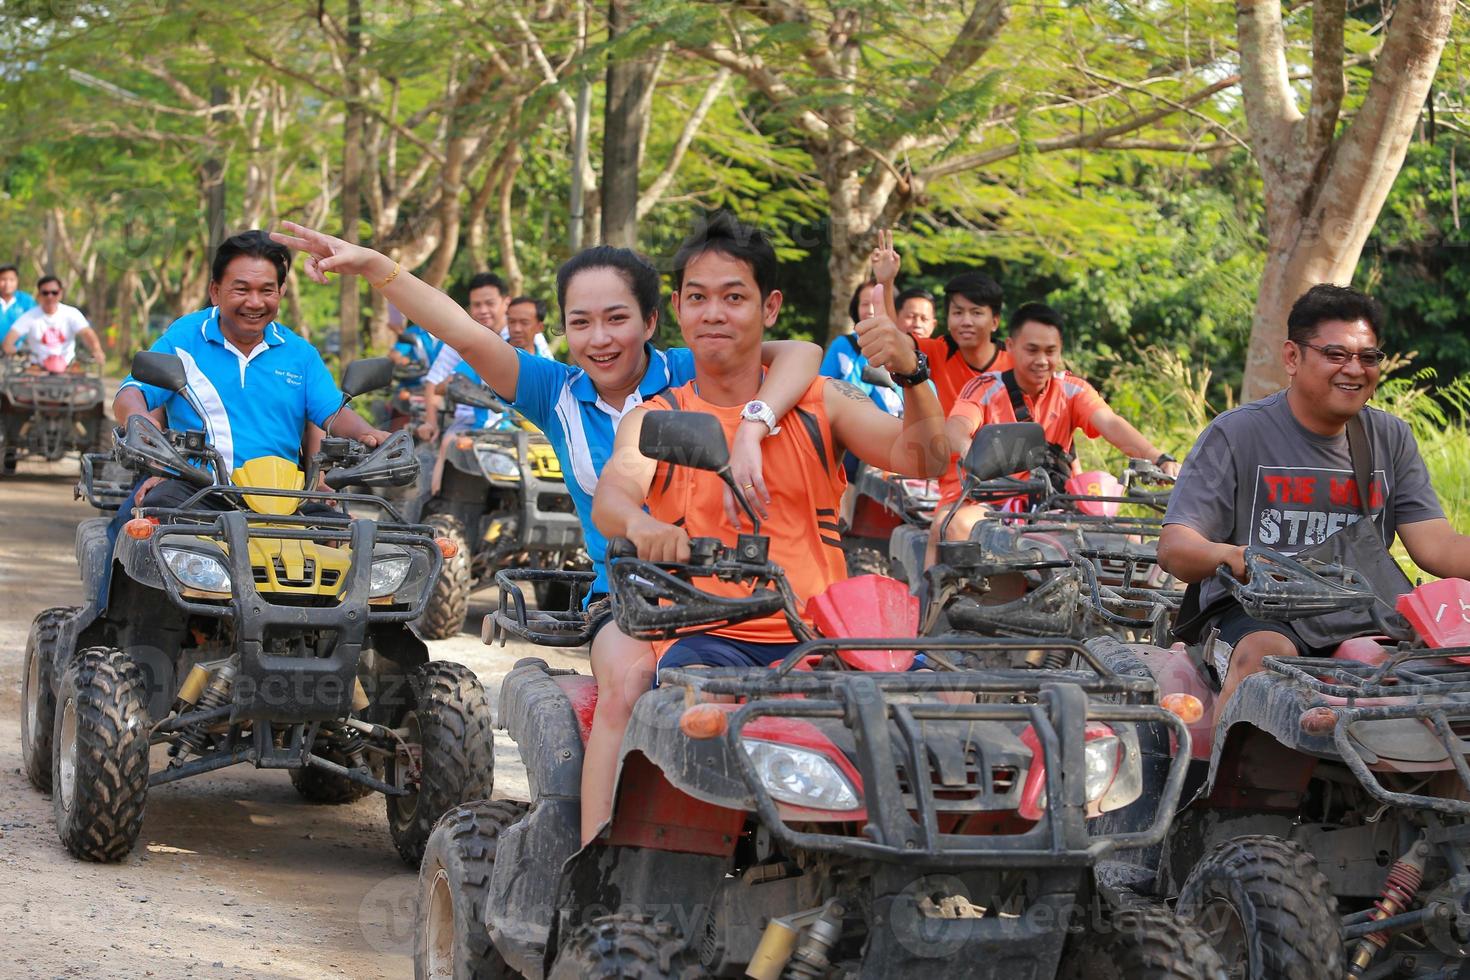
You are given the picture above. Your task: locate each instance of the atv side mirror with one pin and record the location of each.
(160, 369)
(693, 439)
(1004, 448)
(367, 375)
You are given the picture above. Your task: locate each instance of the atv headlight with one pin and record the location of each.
(1100, 760)
(388, 574)
(496, 463)
(197, 571)
(800, 777)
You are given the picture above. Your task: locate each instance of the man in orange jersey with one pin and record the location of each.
(1037, 389)
(725, 299)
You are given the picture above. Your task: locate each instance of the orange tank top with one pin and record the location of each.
(805, 481)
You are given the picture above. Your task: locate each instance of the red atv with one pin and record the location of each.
(1328, 835)
(842, 813)
(1051, 564)
(49, 410)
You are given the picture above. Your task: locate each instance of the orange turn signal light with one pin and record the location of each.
(447, 548)
(140, 528)
(464, 444)
(1187, 707)
(1318, 721)
(704, 721)
(405, 395)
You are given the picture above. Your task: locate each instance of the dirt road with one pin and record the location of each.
(234, 875)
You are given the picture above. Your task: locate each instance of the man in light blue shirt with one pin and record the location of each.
(258, 383)
(13, 302)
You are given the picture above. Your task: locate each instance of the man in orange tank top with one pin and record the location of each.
(725, 299)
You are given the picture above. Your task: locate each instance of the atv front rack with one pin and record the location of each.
(271, 686)
(902, 825)
(233, 496)
(1052, 522)
(570, 627)
(1440, 693)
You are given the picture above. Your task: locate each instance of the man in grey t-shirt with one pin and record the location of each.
(1277, 472)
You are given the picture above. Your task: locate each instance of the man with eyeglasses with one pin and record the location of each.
(51, 330)
(1278, 472)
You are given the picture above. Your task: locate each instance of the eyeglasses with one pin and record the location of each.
(50, 292)
(1370, 358)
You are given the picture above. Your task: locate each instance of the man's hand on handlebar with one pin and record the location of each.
(374, 438)
(657, 541)
(1233, 556)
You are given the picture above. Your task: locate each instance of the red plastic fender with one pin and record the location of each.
(1439, 612)
(1096, 483)
(868, 606)
(1176, 673)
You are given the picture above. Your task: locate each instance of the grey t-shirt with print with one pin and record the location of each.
(1257, 476)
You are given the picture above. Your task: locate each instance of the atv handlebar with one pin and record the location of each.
(143, 447)
(1281, 587)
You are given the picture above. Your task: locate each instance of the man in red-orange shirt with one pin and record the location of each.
(1061, 402)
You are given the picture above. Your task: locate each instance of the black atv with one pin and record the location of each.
(255, 623)
(841, 814)
(48, 414)
(502, 500)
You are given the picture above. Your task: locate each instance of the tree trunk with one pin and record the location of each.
(629, 101)
(1324, 191)
(352, 151)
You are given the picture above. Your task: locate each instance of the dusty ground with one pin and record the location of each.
(233, 876)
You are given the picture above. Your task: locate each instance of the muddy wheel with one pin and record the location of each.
(319, 786)
(866, 561)
(100, 755)
(1144, 943)
(633, 946)
(450, 941)
(38, 697)
(450, 757)
(1266, 908)
(449, 602)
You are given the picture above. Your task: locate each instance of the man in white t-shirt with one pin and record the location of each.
(51, 330)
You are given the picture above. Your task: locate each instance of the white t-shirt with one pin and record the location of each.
(448, 359)
(51, 335)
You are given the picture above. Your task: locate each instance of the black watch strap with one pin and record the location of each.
(1164, 458)
(920, 373)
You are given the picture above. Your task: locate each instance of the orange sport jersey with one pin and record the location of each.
(1068, 404)
(806, 481)
(951, 372)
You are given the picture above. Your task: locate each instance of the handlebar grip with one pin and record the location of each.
(621, 547)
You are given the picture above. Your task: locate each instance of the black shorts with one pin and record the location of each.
(1235, 624)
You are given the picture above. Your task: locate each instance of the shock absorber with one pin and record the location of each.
(214, 695)
(1398, 894)
(811, 960)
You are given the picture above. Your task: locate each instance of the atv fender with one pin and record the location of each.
(537, 709)
(529, 859)
(704, 768)
(1249, 766)
(1176, 673)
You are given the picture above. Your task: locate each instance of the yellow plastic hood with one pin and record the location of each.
(270, 473)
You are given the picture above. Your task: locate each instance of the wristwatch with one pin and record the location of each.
(759, 411)
(919, 375)
(1164, 458)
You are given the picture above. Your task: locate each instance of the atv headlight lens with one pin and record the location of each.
(388, 575)
(197, 571)
(496, 463)
(800, 777)
(1100, 758)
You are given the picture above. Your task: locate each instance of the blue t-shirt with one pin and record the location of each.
(562, 402)
(845, 362)
(421, 348)
(253, 405)
(21, 302)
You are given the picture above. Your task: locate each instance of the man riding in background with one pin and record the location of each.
(51, 330)
(525, 325)
(13, 302)
(487, 304)
(1036, 389)
(1279, 472)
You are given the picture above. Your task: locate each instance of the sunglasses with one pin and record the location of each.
(1370, 358)
(50, 292)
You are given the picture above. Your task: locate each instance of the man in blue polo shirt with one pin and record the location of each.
(257, 382)
(13, 302)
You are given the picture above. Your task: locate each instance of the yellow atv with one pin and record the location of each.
(503, 500)
(253, 622)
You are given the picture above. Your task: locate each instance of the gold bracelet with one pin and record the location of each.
(391, 276)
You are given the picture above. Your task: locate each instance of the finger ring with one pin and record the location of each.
(750, 486)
